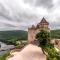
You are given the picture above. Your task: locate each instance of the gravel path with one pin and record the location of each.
(30, 52)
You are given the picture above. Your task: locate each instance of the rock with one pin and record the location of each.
(30, 52)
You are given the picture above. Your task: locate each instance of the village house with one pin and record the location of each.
(42, 25)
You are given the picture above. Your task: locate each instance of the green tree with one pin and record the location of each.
(43, 37)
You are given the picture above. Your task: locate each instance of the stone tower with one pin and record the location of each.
(43, 25)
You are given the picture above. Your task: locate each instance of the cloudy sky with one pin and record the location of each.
(21, 14)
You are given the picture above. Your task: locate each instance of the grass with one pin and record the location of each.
(3, 57)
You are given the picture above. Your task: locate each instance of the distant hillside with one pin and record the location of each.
(12, 36)
(55, 34)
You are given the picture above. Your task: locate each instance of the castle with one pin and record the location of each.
(43, 25)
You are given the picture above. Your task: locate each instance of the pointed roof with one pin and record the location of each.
(44, 21)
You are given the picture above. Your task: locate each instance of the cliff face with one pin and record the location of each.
(30, 52)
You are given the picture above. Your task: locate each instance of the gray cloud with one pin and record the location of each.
(4, 12)
(44, 3)
(9, 25)
(23, 13)
(8, 13)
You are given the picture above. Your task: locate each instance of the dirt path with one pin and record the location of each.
(30, 52)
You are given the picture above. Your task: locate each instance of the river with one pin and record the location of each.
(5, 48)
